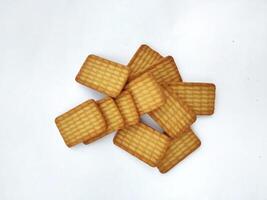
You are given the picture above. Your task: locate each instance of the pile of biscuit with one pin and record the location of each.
(149, 84)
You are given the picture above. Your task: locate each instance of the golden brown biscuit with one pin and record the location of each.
(103, 75)
(112, 117)
(179, 149)
(146, 92)
(142, 59)
(127, 108)
(174, 116)
(143, 142)
(165, 71)
(80, 123)
(200, 97)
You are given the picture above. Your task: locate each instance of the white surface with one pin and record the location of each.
(42, 46)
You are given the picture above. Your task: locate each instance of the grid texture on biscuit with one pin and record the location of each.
(80, 123)
(146, 92)
(142, 60)
(179, 149)
(143, 142)
(174, 116)
(165, 71)
(127, 108)
(103, 75)
(112, 116)
(198, 96)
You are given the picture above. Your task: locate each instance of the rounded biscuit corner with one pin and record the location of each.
(144, 46)
(169, 58)
(213, 85)
(124, 85)
(91, 56)
(212, 112)
(69, 145)
(86, 142)
(77, 78)
(91, 101)
(56, 120)
(114, 140)
(152, 165)
(102, 100)
(162, 171)
(199, 143)
(194, 117)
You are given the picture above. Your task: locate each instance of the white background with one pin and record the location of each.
(44, 43)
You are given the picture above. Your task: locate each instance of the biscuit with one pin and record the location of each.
(103, 75)
(165, 71)
(200, 97)
(141, 61)
(179, 149)
(174, 116)
(146, 92)
(127, 108)
(143, 142)
(80, 123)
(112, 117)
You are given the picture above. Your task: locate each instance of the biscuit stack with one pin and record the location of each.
(150, 84)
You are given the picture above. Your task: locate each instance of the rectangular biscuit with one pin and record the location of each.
(103, 75)
(174, 116)
(200, 97)
(165, 71)
(80, 123)
(112, 117)
(127, 108)
(141, 61)
(143, 142)
(179, 149)
(146, 92)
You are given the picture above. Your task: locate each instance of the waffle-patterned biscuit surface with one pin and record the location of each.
(103, 75)
(174, 116)
(80, 123)
(127, 108)
(146, 92)
(142, 60)
(165, 71)
(200, 97)
(112, 117)
(143, 142)
(179, 149)
(150, 84)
